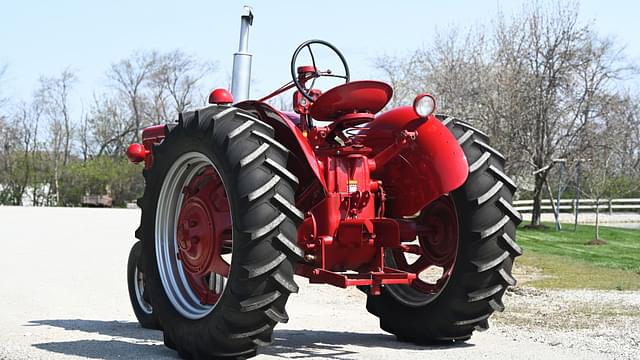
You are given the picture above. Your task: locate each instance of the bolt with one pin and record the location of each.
(193, 223)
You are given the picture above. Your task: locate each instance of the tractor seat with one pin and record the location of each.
(343, 103)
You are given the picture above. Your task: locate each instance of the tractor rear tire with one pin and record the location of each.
(259, 193)
(137, 290)
(486, 249)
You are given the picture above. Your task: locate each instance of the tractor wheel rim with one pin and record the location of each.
(438, 238)
(138, 284)
(193, 235)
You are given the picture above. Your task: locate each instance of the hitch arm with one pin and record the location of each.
(402, 142)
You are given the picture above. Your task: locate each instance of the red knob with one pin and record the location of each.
(137, 153)
(220, 97)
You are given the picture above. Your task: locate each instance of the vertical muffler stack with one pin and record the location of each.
(241, 77)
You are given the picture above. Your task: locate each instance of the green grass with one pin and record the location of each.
(563, 272)
(621, 252)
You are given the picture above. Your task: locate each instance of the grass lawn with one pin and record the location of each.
(621, 252)
(567, 262)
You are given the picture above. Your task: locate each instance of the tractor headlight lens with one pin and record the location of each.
(424, 105)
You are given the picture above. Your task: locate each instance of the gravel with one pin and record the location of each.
(605, 322)
(63, 296)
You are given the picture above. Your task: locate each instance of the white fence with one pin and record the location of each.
(585, 205)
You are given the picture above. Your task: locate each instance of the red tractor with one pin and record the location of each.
(413, 208)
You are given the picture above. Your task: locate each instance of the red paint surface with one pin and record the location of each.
(302, 161)
(204, 232)
(151, 136)
(422, 173)
(137, 153)
(356, 96)
(220, 96)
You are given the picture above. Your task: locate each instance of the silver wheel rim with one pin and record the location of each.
(138, 284)
(170, 268)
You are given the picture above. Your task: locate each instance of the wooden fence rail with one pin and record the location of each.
(586, 205)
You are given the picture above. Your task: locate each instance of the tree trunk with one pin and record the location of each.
(537, 199)
(56, 183)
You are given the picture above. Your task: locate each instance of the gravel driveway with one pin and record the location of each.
(63, 296)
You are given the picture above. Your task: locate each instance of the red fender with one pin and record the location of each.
(423, 172)
(302, 160)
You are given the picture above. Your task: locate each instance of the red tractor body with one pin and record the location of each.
(344, 233)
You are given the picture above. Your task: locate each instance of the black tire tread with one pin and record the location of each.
(484, 272)
(247, 147)
(277, 315)
(147, 321)
(484, 265)
(256, 270)
(259, 301)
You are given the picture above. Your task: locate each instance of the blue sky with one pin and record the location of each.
(45, 37)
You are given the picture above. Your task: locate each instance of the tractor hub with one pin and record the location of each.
(432, 256)
(203, 233)
(439, 243)
(195, 235)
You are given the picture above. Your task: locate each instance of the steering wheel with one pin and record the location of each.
(315, 73)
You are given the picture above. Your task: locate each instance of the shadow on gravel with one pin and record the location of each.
(300, 344)
(130, 340)
(126, 329)
(133, 342)
(109, 349)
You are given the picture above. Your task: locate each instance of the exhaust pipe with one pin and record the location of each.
(241, 75)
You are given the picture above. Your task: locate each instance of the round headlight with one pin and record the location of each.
(424, 105)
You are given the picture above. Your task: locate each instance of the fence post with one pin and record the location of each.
(610, 207)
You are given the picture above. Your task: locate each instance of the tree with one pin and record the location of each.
(129, 77)
(611, 163)
(114, 176)
(84, 137)
(20, 153)
(151, 87)
(53, 94)
(175, 83)
(111, 126)
(49, 158)
(531, 84)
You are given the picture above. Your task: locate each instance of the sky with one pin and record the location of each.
(45, 37)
